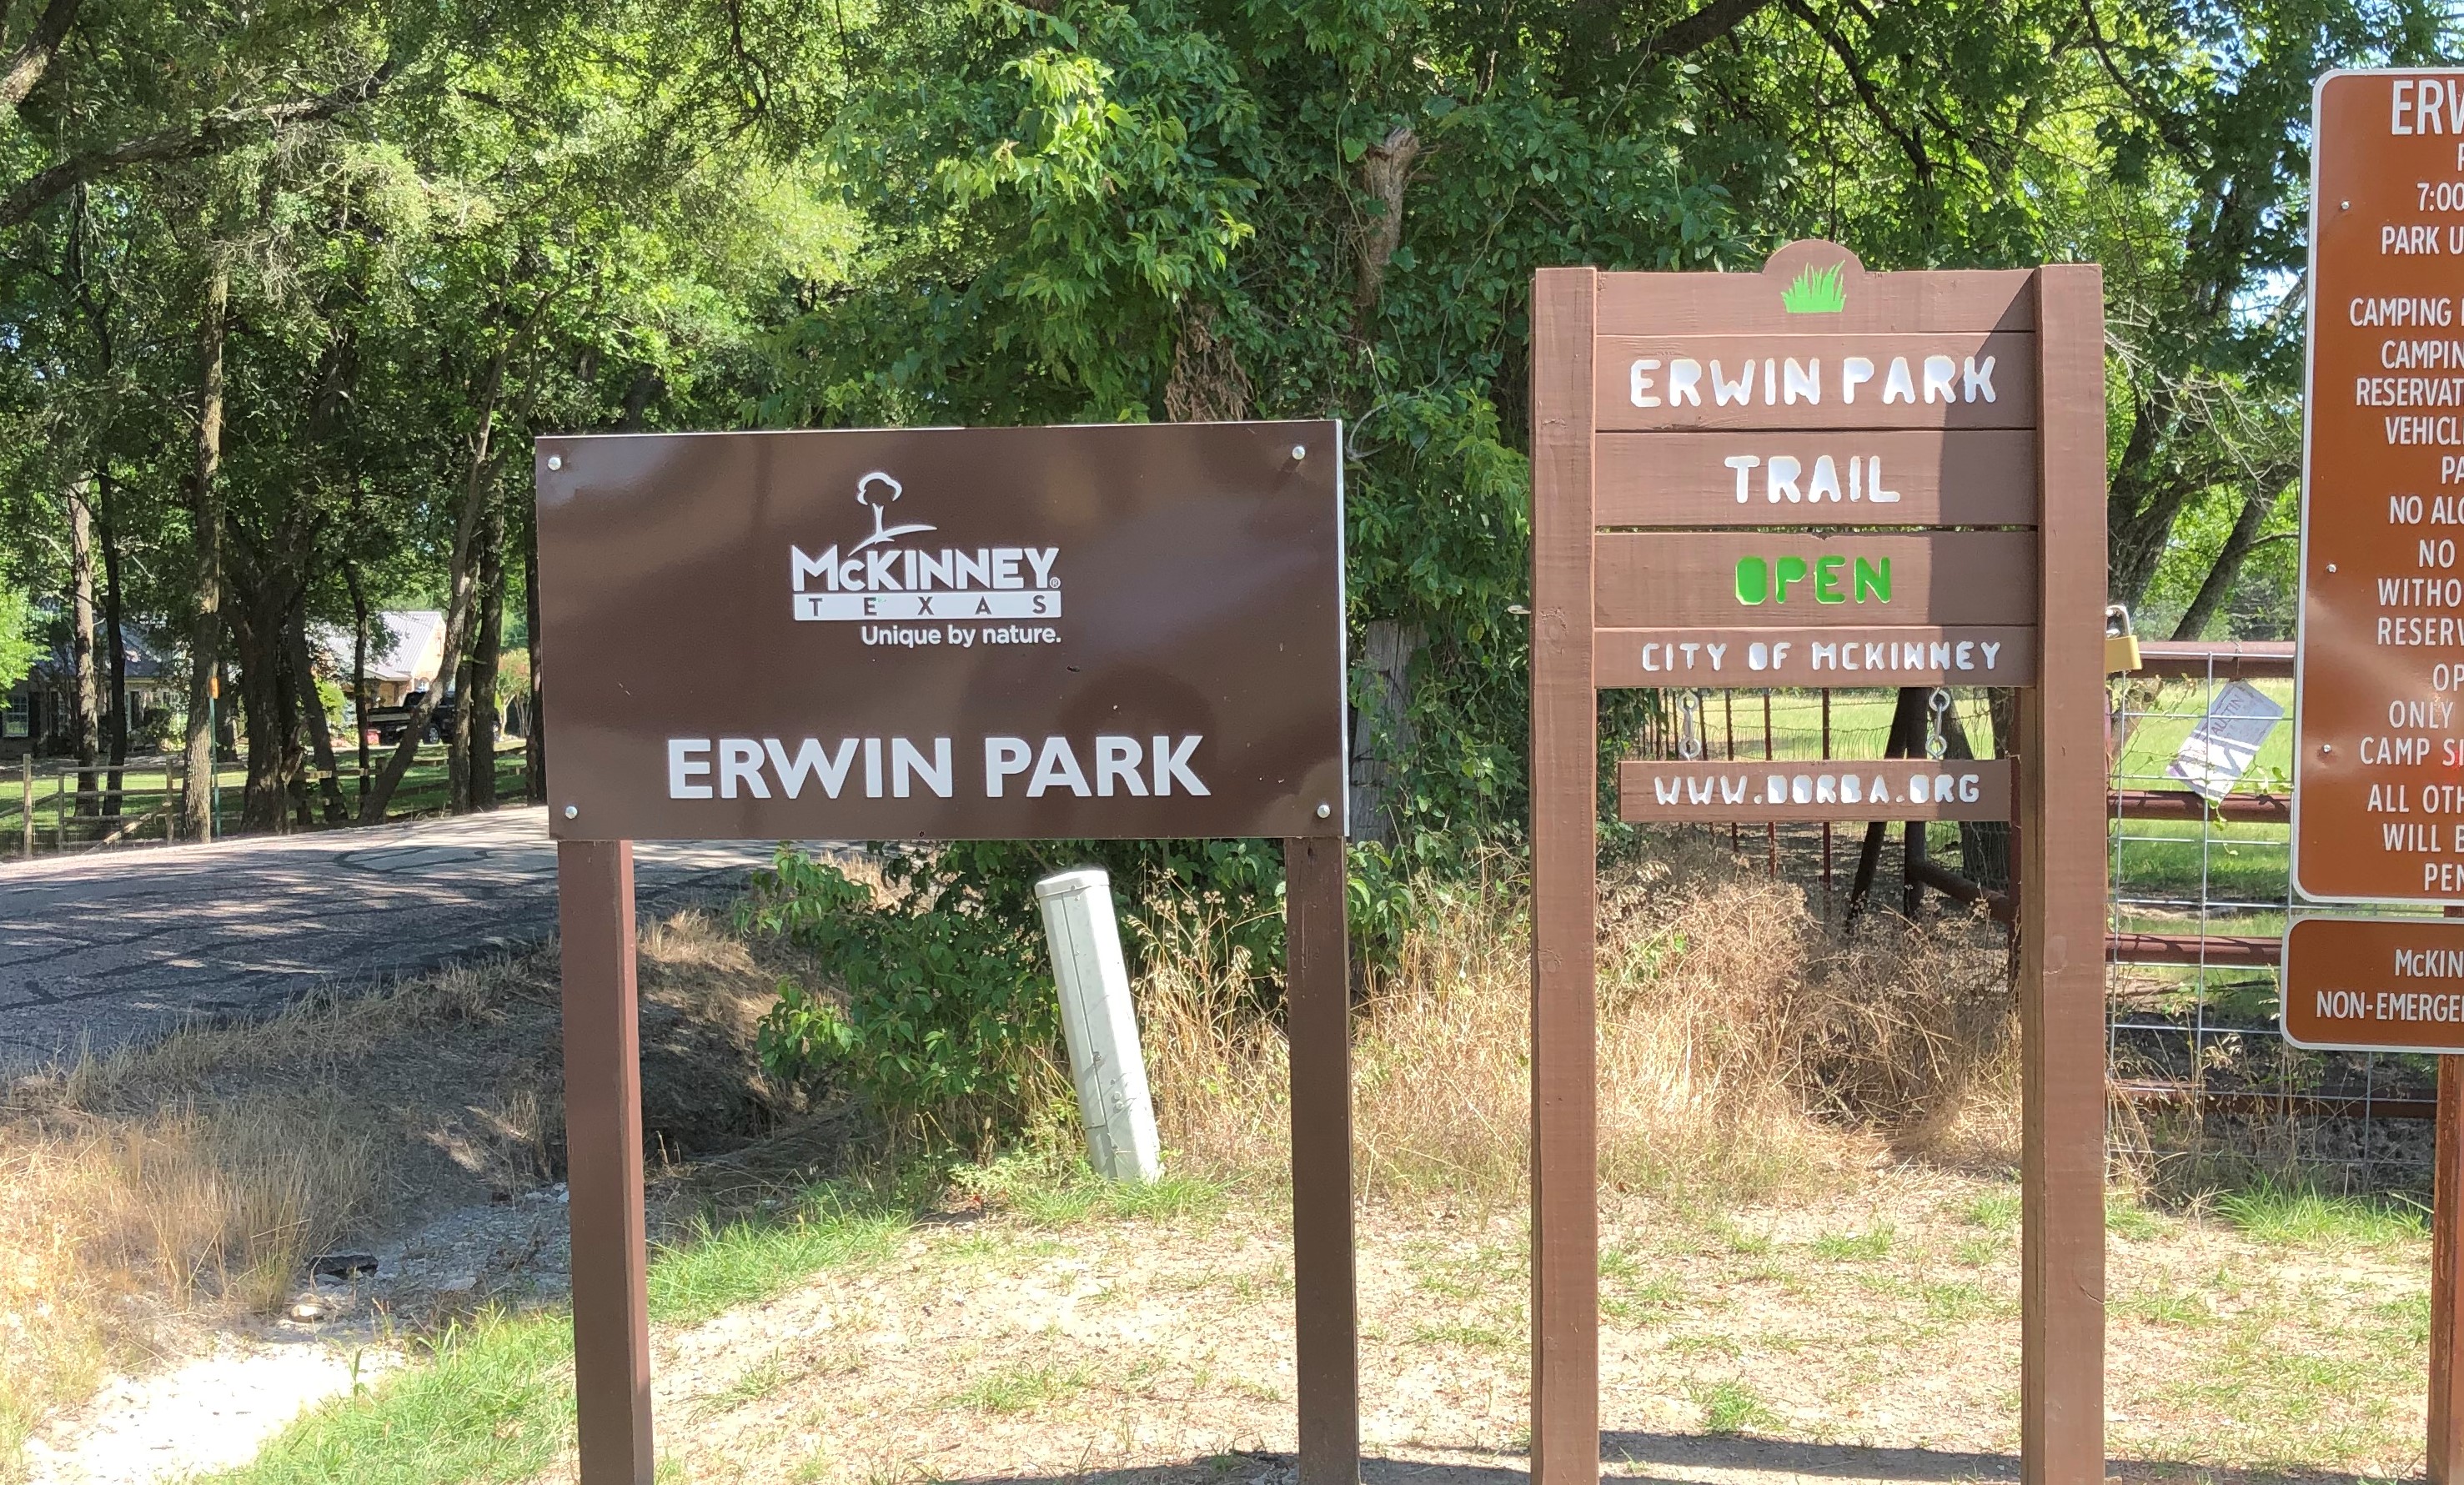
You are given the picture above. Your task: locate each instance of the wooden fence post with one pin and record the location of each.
(1565, 854)
(2062, 907)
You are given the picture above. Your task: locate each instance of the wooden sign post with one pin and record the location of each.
(2380, 664)
(1062, 633)
(1819, 476)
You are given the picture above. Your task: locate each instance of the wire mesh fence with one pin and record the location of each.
(2205, 1089)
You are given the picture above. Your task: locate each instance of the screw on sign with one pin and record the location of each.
(2378, 806)
(1818, 476)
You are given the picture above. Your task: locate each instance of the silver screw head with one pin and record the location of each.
(571, 810)
(1324, 811)
(1300, 451)
(555, 462)
(2326, 748)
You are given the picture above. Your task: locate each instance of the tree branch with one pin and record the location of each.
(1691, 34)
(216, 133)
(25, 66)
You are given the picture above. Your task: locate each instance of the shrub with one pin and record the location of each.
(945, 1010)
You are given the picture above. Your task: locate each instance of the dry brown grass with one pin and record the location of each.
(1742, 1047)
(187, 1184)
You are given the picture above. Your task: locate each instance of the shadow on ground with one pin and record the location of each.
(1690, 1458)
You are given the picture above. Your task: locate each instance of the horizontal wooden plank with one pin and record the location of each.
(1955, 301)
(1917, 477)
(1727, 659)
(1812, 580)
(1675, 384)
(1749, 792)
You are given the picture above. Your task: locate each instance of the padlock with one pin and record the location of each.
(2120, 646)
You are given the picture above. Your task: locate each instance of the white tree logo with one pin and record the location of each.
(877, 490)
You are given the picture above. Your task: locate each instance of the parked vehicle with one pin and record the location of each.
(386, 725)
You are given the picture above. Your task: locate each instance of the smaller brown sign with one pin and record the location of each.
(1921, 477)
(1751, 793)
(1796, 581)
(1720, 659)
(1653, 383)
(2375, 984)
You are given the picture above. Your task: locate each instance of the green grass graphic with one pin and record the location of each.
(1816, 291)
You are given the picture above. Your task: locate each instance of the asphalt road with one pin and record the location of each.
(105, 948)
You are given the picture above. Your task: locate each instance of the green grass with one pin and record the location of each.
(2126, 1218)
(1013, 1390)
(1053, 1191)
(1996, 1211)
(494, 1401)
(1734, 1407)
(422, 791)
(2297, 1216)
(1816, 291)
(714, 1269)
(1854, 1247)
(490, 1405)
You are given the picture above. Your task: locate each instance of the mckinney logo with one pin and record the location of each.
(877, 579)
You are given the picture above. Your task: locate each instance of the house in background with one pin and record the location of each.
(405, 650)
(39, 712)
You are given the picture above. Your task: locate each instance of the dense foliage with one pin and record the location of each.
(286, 288)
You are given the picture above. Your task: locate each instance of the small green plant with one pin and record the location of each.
(1996, 1211)
(1817, 292)
(945, 1001)
(2126, 1218)
(1853, 1246)
(1734, 1407)
(1016, 1388)
(2293, 1213)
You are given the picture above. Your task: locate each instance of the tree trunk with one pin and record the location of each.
(478, 710)
(89, 705)
(359, 673)
(2217, 585)
(115, 735)
(1984, 845)
(265, 710)
(535, 712)
(312, 708)
(204, 630)
(461, 566)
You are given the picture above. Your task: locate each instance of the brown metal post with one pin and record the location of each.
(2062, 913)
(29, 795)
(1565, 855)
(1317, 959)
(2446, 1449)
(602, 1115)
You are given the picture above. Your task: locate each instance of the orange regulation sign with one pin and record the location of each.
(2375, 984)
(2378, 811)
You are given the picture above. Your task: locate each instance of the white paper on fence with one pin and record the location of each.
(2221, 749)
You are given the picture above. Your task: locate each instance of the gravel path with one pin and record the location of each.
(115, 947)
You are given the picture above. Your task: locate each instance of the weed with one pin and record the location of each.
(1054, 1188)
(2165, 1307)
(1954, 1302)
(1978, 1252)
(1461, 1333)
(1816, 291)
(1734, 1407)
(2126, 1218)
(712, 1269)
(1013, 1390)
(2299, 1214)
(1874, 1242)
(1996, 1211)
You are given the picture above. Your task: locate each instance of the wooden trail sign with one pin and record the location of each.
(1814, 475)
(2378, 748)
(942, 634)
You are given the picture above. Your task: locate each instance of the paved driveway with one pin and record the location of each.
(116, 947)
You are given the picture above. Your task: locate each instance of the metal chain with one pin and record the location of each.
(1938, 703)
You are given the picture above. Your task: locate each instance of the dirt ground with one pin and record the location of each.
(1866, 1335)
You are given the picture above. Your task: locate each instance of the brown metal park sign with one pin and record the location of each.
(989, 633)
(1816, 476)
(942, 634)
(2375, 984)
(2378, 802)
